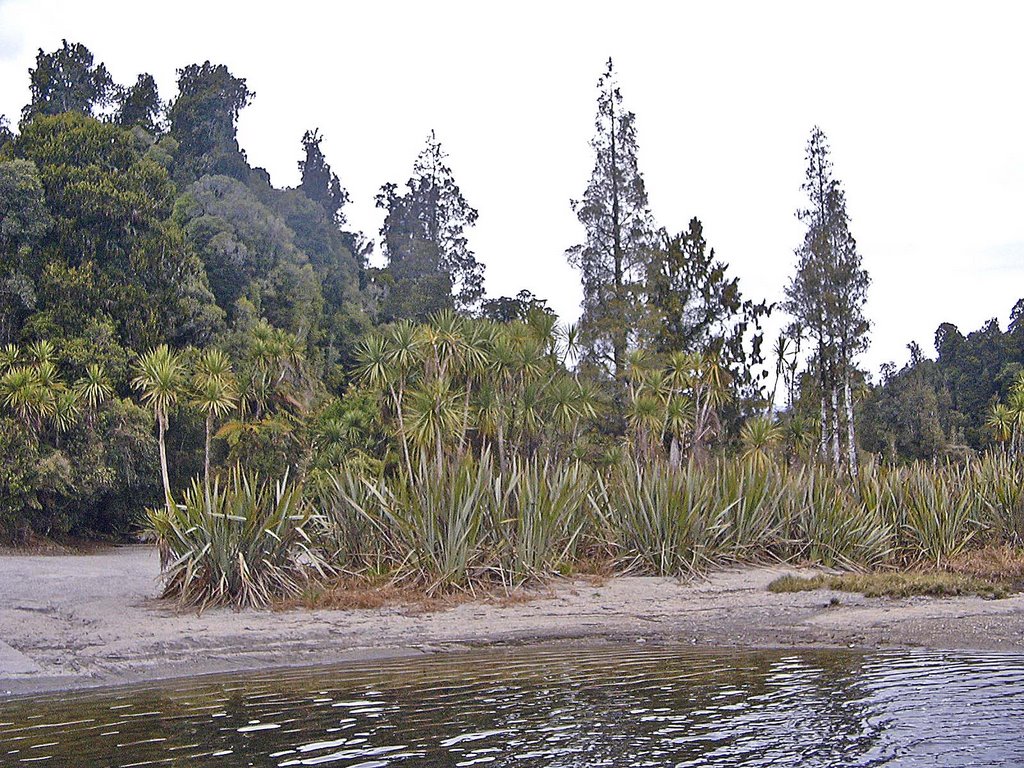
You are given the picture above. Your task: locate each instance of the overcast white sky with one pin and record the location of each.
(922, 103)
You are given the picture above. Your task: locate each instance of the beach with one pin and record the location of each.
(83, 620)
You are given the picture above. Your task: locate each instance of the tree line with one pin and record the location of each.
(166, 312)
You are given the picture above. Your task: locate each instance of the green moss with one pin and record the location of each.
(898, 584)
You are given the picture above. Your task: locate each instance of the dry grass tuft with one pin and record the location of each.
(898, 584)
(994, 563)
(365, 592)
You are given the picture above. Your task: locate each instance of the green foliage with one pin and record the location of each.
(111, 238)
(430, 266)
(202, 120)
(615, 215)
(319, 183)
(909, 584)
(826, 298)
(691, 306)
(506, 309)
(999, 486)
(471, 522)
(902, 419)
(244, 543)
(350, 429)
(6, 136)
(24, 220)
(760, 436)
(827, 523)
(66, 80)
(83, 479)
(141, 106)
(249, 253)
(19, 481)
(459, 524)
(939, 513)
(956, 405)
(663, 519)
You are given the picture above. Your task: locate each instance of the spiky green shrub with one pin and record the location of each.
(751, 497)
(348, 522)
(431, 526)
(453, 525)
(663, 520)
(999, 482)
(827, 524)
(244, 547)
(938, 511)
(545, 517)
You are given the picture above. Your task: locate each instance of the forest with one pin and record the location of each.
(191, 354)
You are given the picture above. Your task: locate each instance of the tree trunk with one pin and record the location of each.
(851, 436)
(619, 339)
(837, 457)
(161, 423)
(823, 383)
(206, 459)
(823, 432)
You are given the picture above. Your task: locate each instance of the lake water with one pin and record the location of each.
(554, 705)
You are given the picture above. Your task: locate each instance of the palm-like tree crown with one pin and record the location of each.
(160, 378)
(94, 388)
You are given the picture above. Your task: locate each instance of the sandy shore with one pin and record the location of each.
(84, 620)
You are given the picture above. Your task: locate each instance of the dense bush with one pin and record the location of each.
(243, 542)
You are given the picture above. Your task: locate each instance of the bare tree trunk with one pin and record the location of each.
(823, 441)
(162, 423)
(397, 397)
(675, 455)
(851, 436)
(206, 459)
(837, 458)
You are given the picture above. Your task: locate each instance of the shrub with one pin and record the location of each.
(245, 545)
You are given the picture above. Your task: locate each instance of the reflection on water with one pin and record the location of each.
(557, 705)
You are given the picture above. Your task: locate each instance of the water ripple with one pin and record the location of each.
(552, 706)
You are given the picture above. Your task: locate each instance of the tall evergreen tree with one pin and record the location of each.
(319, 183)
(6, 136)
(140, 105)
(202, 120)
(430, 265)
(826, 297)
(66, 80)
(618, 227)
(692, 305)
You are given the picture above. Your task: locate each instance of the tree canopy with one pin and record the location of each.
(430, 265)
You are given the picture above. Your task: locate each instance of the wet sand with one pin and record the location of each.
(73, 621)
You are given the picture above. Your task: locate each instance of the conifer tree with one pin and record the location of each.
(140, 105)
(693, 305)
(319, 183)
(826, 297)
(618, 227)
(430, 264)
(203, 120)
(66, 80)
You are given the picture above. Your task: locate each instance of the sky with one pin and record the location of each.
(921, 103)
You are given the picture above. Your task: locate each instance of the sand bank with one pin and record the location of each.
(71, 621)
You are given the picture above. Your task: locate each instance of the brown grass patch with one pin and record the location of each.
(364, 592)
(898, 584)
(994, 563)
